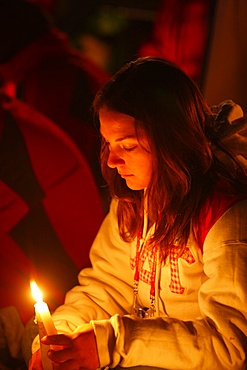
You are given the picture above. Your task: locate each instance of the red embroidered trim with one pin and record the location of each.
(175, 285)
(143, 255)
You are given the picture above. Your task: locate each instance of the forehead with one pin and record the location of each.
(115, 124)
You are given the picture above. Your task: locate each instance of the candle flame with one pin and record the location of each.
(36, 292)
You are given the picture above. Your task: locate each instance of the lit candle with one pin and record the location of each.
(42, 311)
(45, 324)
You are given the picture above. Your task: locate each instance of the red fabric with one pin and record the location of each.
(61, 83)
(212, 210)
(35, 362)
(180, 34)
(50, 209)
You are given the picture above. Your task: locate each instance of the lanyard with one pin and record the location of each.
(144, 312)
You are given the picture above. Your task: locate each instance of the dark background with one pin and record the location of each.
(117, 26)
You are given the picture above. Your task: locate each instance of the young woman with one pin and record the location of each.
(167, 287)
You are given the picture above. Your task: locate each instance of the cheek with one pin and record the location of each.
(149, 174)
(146, 169)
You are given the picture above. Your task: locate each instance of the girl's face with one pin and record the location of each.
(131, 157)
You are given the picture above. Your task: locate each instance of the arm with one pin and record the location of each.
(106, 288)
(218, 339)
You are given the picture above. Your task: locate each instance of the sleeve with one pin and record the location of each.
(215, 340)
(105, 289)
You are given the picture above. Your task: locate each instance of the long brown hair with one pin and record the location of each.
(171, 109)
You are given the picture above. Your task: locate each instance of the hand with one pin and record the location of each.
(80, 350)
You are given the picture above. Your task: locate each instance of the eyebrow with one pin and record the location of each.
(126, 137)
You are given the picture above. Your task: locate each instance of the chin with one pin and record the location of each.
(135, 186)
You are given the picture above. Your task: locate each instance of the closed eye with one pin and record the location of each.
(129, 149)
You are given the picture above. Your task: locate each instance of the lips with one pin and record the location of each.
(123, 175)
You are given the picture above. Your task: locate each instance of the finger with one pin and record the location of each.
(71, 365)
(59, 356)
(68, 365)
(58, 339)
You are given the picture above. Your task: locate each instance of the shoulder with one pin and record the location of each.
(214, 207)
(230, 229)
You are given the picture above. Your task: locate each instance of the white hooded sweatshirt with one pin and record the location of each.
(200, 322)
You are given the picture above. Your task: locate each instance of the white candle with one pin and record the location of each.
(43, 315)
(42, 311)
(45, 324)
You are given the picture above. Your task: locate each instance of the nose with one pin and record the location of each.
(114, 160)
